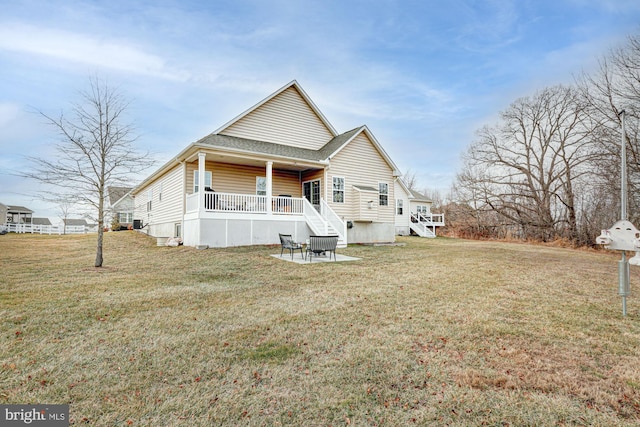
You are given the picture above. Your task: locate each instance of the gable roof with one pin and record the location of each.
(349, 136)
(240, 145)
(117, 193)
(20, 209)
(292, 84)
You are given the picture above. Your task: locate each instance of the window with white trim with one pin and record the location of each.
(261, 186)
(160, 192)
(149, 199)
(196, 178)
(125, 217)
(383, 194)
(338, 189)
(399, 206)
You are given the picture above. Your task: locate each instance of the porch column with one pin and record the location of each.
(201, 179)
(269, 186)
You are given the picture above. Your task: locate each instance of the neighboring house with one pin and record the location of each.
(413, 213)
(75, 224)
(15, 214)
(279, 167)
(41, 221)
(121, 206)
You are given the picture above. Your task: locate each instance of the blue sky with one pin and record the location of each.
(422, 75)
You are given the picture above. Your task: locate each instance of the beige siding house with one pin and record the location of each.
(279, 167)
(413, 213)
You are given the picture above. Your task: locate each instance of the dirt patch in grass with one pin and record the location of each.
(430, 332)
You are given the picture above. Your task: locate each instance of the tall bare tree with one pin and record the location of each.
(526, 167)
(95, 151)
(613, 87)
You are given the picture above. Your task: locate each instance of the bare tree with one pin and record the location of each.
(527, 166)
(95, 152)
(65, 207)
(614, 87)
(409, 178)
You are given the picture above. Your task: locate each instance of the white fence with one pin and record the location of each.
(45, 229)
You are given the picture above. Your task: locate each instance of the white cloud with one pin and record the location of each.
(85, 49)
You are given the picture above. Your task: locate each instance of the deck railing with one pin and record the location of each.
(245, 203)
(437, 219)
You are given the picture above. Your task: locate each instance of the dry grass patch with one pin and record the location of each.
(446, 332)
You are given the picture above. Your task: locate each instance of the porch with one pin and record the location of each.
(231, 219)
(424, 224)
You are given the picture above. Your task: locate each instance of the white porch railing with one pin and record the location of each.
(46, 229)
(431, 219)
(245, 203)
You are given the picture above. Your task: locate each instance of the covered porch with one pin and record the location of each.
(223, 212)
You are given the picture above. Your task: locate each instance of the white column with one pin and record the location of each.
(269, 186)
(201, 180)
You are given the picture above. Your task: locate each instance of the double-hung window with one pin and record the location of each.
(338, 189)
(383, 194)
(399, 206)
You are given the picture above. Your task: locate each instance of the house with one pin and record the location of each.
(413, 213)
(15, 214)
(46, 222)
(279, 167)
(121, 206)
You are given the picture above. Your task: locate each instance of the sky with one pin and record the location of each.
(422, 75)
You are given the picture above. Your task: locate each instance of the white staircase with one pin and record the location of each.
(326, 222)
(425, 225)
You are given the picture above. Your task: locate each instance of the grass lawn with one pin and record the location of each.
(436, 332)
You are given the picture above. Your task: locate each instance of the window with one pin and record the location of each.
(261, 185)
(160, 192)
(177, 230)
(125, 217)
(207, 180)
(149, 200)
(399, 206)
(383, 192)
(338, 189)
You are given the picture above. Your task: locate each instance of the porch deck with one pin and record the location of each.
(246, 203)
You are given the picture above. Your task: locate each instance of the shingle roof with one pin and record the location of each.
(40, 221)
(117, 193)
(19, 209)
(262, 147)
(419, 197)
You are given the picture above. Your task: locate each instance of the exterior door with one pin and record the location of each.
(311, 192)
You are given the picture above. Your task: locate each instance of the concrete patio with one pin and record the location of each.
(298, 259)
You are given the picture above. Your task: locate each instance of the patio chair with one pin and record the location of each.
(322, 244)
(287, 242)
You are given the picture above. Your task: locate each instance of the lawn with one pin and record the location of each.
(432, 332)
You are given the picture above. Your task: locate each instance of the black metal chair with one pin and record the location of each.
(287, 242)
(322, 244)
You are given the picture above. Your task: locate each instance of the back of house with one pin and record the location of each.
(279, 167)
